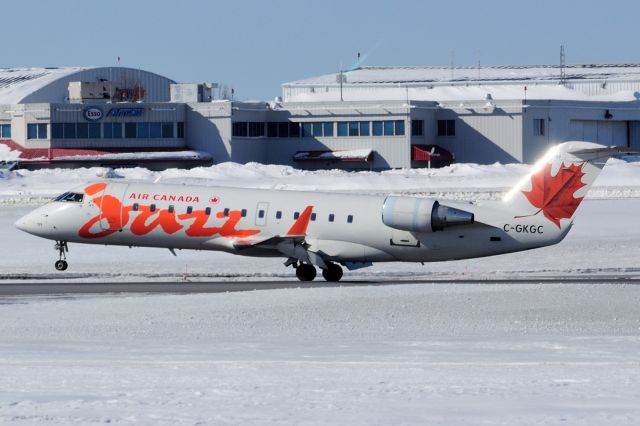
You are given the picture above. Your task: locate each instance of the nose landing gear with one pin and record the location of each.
(62, 248)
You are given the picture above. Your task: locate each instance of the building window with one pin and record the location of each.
(446, 127)
(272, 130)
(343, 128)
(377, 128)
(417, 127)
(294, 130)
(82, 130)
(180, 129)
(69, 130)
(328, 129)
(94, 130)
(538, 126)
(155, 130)
(57, 130)
(399, 127)
(283, 129)
(5, 131)
(112, 130)
(239, 129)
(130, 130)
(167, 130)
(389, 128)
(364, 128)
(32, 131)
(306, 130)
(256, 129)
(317, 129)
(354, 128)
(142, 130)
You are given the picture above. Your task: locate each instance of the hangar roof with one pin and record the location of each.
(387, 75)
(49, 84)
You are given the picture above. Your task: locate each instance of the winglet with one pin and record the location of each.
(299, 227)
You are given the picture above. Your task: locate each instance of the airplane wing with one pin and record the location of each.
(291, 244)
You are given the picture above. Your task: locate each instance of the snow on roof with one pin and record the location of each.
(17, 83)
(383, 75)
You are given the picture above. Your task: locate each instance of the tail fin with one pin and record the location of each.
(559, 182)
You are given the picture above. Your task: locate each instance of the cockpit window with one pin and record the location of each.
(71, 197)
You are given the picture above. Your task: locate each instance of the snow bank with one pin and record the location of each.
(620, 179)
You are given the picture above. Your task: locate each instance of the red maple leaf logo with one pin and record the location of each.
(553, 195)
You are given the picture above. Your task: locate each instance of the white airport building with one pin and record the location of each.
(366, 118)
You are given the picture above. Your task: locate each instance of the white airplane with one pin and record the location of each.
(321, 229)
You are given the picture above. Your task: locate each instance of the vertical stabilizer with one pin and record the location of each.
(558, 183)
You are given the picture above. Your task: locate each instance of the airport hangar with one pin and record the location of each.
(366, 118)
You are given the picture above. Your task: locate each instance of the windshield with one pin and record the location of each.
(72, 197)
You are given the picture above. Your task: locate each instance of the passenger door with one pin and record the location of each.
(111, 206)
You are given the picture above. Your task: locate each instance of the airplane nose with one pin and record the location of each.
(27, 223)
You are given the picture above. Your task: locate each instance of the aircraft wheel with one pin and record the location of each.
(332, 273)
(306, 272)
(61, 265)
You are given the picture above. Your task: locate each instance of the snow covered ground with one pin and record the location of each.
(402, 354)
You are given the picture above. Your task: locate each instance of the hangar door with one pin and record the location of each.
(634, 134)
(605, 132)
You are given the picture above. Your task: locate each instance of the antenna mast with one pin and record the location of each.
(563, 77)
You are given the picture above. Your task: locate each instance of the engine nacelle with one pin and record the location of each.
(421, 214)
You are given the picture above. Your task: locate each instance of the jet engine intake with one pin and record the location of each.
(421, 214)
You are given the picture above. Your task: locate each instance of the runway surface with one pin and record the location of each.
(234, 286)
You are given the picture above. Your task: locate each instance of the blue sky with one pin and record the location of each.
(254, 46)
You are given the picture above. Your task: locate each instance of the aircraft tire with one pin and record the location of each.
(61, 265)
(306, 272)
(333, 272)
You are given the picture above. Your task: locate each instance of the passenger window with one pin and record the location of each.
(226, 212)
(332, 217)
(296, 215)
(243, 212)
(278, 214)
(350, 219)
(189, 210)
(152, 208)
(135, 207)
(313, 216)
(207, 211)
(171, 209)
(261, 214)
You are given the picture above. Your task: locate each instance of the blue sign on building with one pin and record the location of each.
(92, 113)
(125, 112)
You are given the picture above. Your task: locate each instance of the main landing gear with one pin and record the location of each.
(62, 248)
(307, 272)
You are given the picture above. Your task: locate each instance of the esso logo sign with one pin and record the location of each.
(92, 113)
